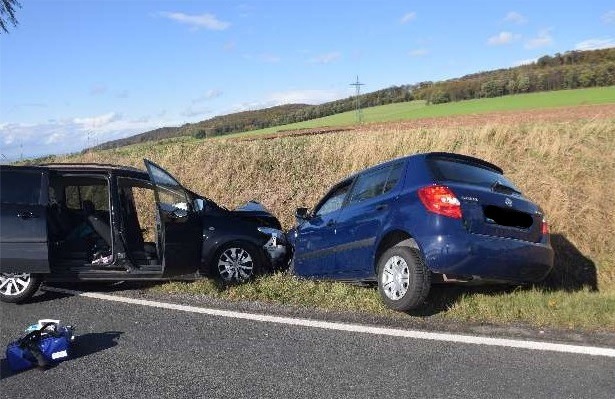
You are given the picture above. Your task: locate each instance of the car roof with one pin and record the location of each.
(426, 155)
(84, 167)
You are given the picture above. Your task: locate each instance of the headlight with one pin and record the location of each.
(279, 234)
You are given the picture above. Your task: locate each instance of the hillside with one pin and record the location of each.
(240, 121)
(571, 70)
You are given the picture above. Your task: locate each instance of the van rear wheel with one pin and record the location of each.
(403, 279)
(17, 287)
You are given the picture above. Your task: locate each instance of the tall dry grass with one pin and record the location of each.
(568, 168)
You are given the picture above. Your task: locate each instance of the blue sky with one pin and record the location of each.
(75, 73)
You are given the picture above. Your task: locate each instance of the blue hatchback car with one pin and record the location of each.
(420, 219)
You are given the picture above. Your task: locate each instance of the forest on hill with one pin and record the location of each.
(570, 70)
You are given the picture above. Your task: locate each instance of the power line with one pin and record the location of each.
(357, 102)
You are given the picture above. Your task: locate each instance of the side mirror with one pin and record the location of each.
(302, 213)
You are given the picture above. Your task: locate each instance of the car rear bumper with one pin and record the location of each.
(487, 257)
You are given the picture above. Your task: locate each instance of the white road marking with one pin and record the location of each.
(432, 336)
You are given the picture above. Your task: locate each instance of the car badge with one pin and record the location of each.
(508, 202)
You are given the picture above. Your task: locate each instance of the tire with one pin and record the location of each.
(18, 287)
(403, 279)
(237, 262)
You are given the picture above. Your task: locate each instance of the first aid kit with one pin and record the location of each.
(45, 343)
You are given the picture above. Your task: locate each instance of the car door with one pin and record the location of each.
(368, 207)
(316, 240)
(180, 224)
(23, 218)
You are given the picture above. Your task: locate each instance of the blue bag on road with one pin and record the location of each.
(41, 347)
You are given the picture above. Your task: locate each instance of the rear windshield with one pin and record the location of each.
(464, 172)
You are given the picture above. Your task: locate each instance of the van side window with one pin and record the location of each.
(97, 192)
(375, 183)
(20, 187)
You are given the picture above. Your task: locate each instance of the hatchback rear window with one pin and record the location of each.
(465, 172)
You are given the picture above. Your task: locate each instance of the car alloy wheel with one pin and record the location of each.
(235, 264)
(14, 284)
(395, 278)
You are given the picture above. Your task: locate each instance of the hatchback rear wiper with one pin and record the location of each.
(498, 186)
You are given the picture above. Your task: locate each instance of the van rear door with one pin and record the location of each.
(24, 244)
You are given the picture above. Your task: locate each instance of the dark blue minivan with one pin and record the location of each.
(420, 219)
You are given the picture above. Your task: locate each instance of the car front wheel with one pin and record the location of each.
(403, 278)
(17, 287)
(237, 263)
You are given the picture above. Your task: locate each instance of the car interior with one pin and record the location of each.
(80, 225)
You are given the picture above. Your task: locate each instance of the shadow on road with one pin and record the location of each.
(572, 271)
(90, 343)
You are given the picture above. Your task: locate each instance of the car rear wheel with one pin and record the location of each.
(237, 262)
(17, 287)
(403, 278)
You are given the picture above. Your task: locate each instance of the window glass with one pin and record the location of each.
(98, 194)
(457, 171)
(394, 176)
(334, 200)
(20, 187)
(375, 183)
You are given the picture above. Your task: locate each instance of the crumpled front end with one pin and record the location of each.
(276, 248)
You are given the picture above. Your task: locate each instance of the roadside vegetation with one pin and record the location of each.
(567, 71)
(567, 167)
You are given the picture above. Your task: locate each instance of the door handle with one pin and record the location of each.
(382, 207)
(26, 215)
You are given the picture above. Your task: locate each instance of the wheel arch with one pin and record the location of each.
(393, 238)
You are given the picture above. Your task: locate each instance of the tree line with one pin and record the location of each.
(570, 70)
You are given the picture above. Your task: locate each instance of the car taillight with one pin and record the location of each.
(545, 227)
(440, 200)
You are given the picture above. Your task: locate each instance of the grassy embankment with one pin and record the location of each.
(419, 109)
(567, 167)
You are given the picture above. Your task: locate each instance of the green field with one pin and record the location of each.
(419, 109)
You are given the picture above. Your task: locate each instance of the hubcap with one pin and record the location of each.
(235, 264)
(395, 278)
(14, 283)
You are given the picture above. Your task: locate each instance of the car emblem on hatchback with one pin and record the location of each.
(508, 202)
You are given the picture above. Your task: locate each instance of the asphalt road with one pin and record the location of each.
(132, 351)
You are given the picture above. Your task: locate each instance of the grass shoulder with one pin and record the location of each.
(498, 305)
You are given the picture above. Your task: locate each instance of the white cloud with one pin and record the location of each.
(269, 58)
(313, 96)
(192, 111)
(66, 136)
(98, 90)
(502, 38)
(595, 44)
(97, 122)
(525, 62)
(419, 52)
(208, 95)
(515, 18)
(307, 96)
(197, 21)
(543, 39)
(408, 17)
(609, 17)
(326, 58)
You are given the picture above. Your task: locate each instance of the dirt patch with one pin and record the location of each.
(295, 133)
(560, 114)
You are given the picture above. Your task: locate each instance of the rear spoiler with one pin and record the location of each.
(464, 159)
